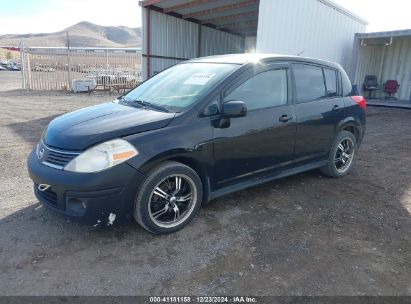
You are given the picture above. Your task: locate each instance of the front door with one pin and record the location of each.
(263, 140)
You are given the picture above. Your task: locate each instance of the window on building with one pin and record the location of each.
(263, 90)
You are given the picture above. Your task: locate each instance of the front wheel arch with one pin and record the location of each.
(180, 156)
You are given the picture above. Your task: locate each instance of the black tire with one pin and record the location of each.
(331, 169)
(145, 197)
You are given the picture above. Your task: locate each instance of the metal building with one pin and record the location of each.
(312, 28)
(386, 55)
(176, 30)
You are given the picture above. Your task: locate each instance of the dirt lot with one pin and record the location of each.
(303, 235)
(10, 80)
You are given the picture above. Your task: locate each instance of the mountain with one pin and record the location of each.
(83, 34)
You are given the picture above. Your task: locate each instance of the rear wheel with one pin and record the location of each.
(168, 199)
(342, 155)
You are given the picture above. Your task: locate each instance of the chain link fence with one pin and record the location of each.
(58, 68)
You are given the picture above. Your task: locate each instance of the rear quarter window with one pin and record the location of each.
(331, 82)
(346, 84)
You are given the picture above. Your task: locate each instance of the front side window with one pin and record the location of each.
(309, 82)
(180, 86)
(266, 89)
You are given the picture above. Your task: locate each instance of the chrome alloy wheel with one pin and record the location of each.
(344, 155)
(172, 200)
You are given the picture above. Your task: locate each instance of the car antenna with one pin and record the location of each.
(300, 53)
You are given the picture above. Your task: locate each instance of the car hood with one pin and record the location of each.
(83, 128)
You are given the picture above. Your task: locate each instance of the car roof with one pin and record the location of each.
(256, 57)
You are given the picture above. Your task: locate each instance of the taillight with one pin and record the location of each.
(360, 100)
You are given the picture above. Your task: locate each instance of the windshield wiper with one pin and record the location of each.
(147, 104)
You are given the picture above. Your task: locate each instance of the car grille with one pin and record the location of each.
(48, 196)
(56, 158)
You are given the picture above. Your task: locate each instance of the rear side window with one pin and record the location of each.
(263, 90)
(330, 82)
(309, 82)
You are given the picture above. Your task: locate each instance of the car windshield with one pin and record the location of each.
(179, 86)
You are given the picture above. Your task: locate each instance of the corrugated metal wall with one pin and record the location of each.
(387, 62)
(311, 27)
(177, 38)
(250, 43)
(214, 42)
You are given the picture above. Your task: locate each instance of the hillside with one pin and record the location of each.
(83, 34)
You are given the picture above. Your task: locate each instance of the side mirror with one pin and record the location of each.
(234, 108)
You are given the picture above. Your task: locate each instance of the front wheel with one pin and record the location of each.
(168, 199)
(342, 155)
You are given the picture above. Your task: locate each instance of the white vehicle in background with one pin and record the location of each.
(41, 68)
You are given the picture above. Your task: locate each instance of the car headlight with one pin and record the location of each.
(102, 156)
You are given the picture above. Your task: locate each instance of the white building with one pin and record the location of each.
(312, 28)
(175, 30)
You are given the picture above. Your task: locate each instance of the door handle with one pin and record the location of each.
(285, 117)
(336, 108)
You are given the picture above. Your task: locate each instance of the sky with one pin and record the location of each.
(387, 15)
(43, 16)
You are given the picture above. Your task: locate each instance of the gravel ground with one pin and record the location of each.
(302, 235)
(10, 80)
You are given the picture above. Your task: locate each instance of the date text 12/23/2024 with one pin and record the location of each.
(204, 299)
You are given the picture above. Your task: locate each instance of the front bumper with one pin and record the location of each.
(102, 198)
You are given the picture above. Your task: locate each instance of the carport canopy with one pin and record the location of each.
(238, 17)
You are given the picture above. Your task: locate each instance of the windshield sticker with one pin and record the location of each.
(199, 78)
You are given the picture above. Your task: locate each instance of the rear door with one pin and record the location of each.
(262, 141)
(319, 107)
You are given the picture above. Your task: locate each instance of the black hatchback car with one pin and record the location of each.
(194, 132)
